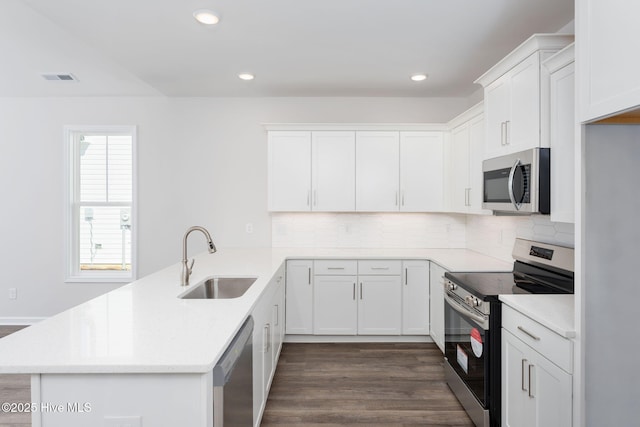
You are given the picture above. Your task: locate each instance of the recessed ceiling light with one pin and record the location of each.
(207, 17)
(246, 76)
(418, 77)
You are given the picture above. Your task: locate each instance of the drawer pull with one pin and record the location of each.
(335, 268)
(528, 333)
(379, 268)
(531, 383)
(524, 387)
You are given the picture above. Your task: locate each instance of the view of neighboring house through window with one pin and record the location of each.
(101, 204)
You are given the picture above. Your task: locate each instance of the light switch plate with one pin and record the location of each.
(135, 421)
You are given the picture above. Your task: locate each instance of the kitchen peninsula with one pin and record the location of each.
(142, 352)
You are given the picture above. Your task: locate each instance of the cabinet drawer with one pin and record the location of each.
(335, 267)
(382, 267)
(546, 342)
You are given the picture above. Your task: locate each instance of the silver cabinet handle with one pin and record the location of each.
(403, 198)
(335, 268)
(502, 125)
(354, 291)
(520, 328)
(276, 320)
(523, 385)
(507, 132)
(406, 276)
(512, 196)
(309, 275)
(396, 198)
(379, 268)
(530, 383)
(266, 335)
(360, 290)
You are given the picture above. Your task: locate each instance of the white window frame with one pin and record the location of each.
(73, 274)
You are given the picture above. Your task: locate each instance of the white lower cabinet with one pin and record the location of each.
(356, 297)
(299, 297)
(335, 307)
(415, 298)
(268, 331)
(436, 304)
(379, 305)
(536, 391)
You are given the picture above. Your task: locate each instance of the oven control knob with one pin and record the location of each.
(451, 286)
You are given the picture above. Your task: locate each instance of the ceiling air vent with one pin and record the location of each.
(68, 77)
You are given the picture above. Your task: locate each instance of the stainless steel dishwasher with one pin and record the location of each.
(233, 382)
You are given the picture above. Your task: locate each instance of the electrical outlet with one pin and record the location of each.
(248, 228)
(135, 421)
(13, 293)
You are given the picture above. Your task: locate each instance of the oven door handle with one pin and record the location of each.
(454, 304)
(512, 196)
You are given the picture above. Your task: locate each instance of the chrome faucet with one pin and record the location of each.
(186, 268)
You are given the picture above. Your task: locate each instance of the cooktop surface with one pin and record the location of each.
(490, 285)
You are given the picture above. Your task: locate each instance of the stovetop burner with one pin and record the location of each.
(537, 270)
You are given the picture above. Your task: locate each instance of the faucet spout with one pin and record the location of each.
(186, 268)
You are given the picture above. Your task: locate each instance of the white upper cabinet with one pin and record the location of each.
(333, 171)
(562, 129)
(289, 171)
(609, 65)
(377, 171)
(421, 171)
(513, 96)
(465, 169)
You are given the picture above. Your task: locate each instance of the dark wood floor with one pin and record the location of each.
(331, 385)
(14, 388)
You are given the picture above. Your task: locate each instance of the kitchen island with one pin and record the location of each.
(142, 352)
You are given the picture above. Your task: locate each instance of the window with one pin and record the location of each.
(100, 204)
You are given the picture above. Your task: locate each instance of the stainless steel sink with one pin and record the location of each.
(220, 288)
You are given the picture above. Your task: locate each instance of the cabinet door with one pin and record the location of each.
(523, 126)
(299, 295)
(476, 155)
(516, 410)
(333, 171)
(421, 171)
(551, 393)
(460, 169)
(335, 308)
(289, 171)
(415, 298)
(562, 141)
(535, 392)
(496, 110)
(379, 305)
(277, 321)
(608, 32)
(436, 304)
(377, 171)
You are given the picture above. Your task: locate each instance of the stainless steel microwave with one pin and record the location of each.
(518, 182)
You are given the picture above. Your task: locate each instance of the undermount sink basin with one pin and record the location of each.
(220, 288)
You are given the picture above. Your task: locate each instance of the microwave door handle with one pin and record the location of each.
(510, 185)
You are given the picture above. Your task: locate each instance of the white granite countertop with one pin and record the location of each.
(556, 312)
(144, 327)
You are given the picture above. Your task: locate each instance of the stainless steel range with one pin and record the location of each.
(473, 320)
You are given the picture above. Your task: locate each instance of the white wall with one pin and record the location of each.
(200, 160)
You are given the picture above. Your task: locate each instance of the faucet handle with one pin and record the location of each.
(190, 267)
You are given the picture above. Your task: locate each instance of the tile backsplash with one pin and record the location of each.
(490, 235)
(368, 230)
(495, 235)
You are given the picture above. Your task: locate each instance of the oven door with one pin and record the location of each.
(467, 349)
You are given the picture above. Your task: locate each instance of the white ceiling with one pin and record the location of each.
(294, 47)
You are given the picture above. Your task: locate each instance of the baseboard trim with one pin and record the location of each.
(356, 338)
(20, 321)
